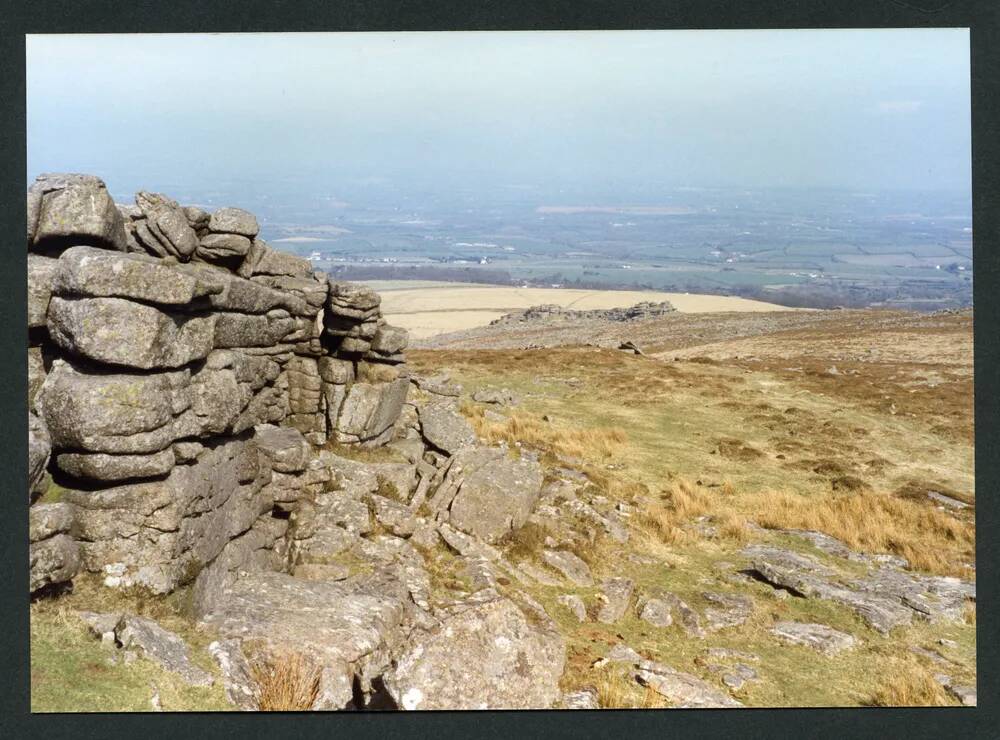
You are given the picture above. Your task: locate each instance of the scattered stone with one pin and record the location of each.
(740, 675)
(52, 561)
(931, 655)
(816, 636)
(688, 617)
(733, 610)
(496, 396)
(102, 625)
(437, 385)
(620, 653)
(683, 689)
(571, 566)
(237, 679)
(583, 699)
(617, 594)
(161, 646)
(444, 428)
(805, 576)
(657, 613)
(965, 694)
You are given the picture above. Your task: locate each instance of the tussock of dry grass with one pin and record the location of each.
(930, 539)
(616, 486)
(969, 613)
(587, 443)
(906, 683)
(287, 682)
(682, 503)
(524, 542)
(618, 689)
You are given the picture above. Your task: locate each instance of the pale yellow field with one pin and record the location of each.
(435, 308)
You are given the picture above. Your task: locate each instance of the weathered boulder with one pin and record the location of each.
(485, 656)
(97, 273)
(52, 561)
(69, 209)
(46, 520)
(252, 330)
(390, 340)
(233, 221)
(348, 629)
(39, 449)
(121, 332)
(53, 555)
(197, 217)
(237, 677)
(369, 410)
(262, 260)
(495, 492)
(103, 467)
(310, 289)
(41, 275)
(445, 428)
(129, 413)
(166, 230)
(215, 247)
(284, 447)
(392, 515)
(112, 413)
(352, 301)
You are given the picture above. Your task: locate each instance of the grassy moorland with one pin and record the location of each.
(843, 431)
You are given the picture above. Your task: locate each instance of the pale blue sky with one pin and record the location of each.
(854, 109)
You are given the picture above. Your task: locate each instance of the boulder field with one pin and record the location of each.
(194, 396)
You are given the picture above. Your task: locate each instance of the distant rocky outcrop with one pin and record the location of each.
(551, 313)
(193, 393)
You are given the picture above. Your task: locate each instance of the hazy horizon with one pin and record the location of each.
(628, 114)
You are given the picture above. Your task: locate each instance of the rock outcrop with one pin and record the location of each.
(167, 345)
(554, 314)
(190, 390)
